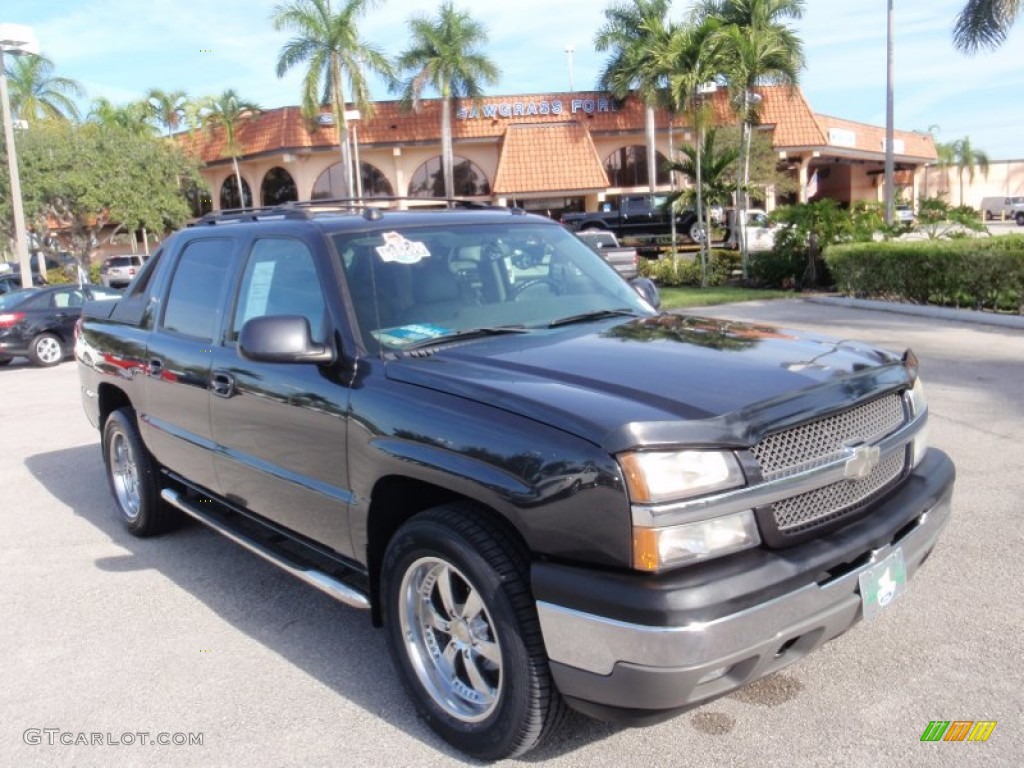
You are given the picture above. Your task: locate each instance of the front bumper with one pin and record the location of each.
(666, 648)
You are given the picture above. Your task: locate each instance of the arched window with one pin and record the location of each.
(329, 183)
(229, 194)
(627, 167)
(200, 200)
(428, 181)
(278, 187)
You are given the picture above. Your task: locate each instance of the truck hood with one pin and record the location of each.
(664, 379)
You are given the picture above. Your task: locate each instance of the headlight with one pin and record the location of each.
(919, 407)
(655, 549)
(664, 476)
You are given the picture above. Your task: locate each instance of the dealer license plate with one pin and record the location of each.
(882, 583)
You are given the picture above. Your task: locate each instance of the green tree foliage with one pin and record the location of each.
(36, 93)
(938, 219)
(227, 112)
(633, 31)
(80, 178)
(329, 44)
(168, 108)
(717, 161)
(445, 54)
(132, 117)
(984, 24)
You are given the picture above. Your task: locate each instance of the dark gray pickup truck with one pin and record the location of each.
(548, 493)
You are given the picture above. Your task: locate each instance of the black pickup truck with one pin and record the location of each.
(636, 215)
(548, 493)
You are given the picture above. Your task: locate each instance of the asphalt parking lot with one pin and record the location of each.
(188, 634)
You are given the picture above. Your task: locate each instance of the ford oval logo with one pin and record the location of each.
(864, 459)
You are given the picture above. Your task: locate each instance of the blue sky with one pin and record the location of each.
(120, 48)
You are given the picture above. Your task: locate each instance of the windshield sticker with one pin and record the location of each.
(408, 334)
(399, 249)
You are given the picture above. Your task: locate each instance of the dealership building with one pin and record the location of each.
(543, 152)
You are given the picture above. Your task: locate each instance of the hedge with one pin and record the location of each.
(980, 273)
(685, 270)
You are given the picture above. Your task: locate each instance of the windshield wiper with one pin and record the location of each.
(468, 333)
(597, 314)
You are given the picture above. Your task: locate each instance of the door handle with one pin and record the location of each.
(222, 384)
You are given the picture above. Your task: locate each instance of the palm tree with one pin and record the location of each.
(229, 112)
(984, 24)
(757, 48)
(630, 32)
(329, 43)
(167, 107)
(444, 54)
(132, 117)
(36, 94)
(966, 158)
(689, 60)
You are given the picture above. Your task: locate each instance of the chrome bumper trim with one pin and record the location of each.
(596, 644)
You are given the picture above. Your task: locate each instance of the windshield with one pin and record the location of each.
(412, 285)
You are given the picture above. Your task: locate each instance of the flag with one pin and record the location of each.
(812, 185)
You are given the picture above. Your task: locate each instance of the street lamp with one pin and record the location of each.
(569, 51)
(16, 40)
(889, 130)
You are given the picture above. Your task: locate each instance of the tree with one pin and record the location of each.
(630, 32)
(756, 48)
(444, 54)
(965, 157)
(132, 117)
(228, 112)
(716, 163)
(167, 107)
(984, 24)
(84, 177)
(330, 45)
(36, 94)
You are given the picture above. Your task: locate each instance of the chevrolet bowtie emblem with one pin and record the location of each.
(864, 458)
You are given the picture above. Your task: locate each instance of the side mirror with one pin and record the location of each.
(646, 288)
(281, 339)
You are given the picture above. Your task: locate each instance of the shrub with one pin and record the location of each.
(685, 270)
(979, 273)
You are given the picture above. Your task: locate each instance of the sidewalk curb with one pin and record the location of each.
(937, 313)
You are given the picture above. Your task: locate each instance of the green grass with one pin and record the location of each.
(680, 298)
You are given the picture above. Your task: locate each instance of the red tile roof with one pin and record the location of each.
(545, 157)
(795, 125)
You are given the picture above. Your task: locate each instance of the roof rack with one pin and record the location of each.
(368, 206)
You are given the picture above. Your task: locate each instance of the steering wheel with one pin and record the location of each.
(534, 282)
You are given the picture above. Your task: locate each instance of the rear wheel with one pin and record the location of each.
(45, 350)
(463, 631)
(132, 476)
(4, 361)
(1020, 219)
(695, 231)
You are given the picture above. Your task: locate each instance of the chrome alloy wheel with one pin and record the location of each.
(450, 639)
(125, 475)
(48, 350)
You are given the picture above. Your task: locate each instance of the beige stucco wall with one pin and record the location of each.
(1005, 177)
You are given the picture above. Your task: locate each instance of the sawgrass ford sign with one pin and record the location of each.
(538, 107)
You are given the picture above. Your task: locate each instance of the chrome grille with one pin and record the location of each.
(811, 445)
(807, 446)
(819, 506)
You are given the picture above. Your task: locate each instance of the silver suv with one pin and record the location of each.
(118, 271)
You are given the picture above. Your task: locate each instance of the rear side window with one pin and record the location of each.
(196, 297)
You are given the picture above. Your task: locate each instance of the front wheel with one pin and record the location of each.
(45, 350)
(463, 631)
(1020, 219)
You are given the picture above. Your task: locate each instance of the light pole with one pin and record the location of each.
(889, 130)
(16, 40)
(569, 51)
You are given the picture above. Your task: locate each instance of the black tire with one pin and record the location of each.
(46, 350)
(484, 565)
(133, 477)
(1020, 219)
(5, 361)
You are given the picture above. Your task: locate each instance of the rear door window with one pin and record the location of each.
(196, 297)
